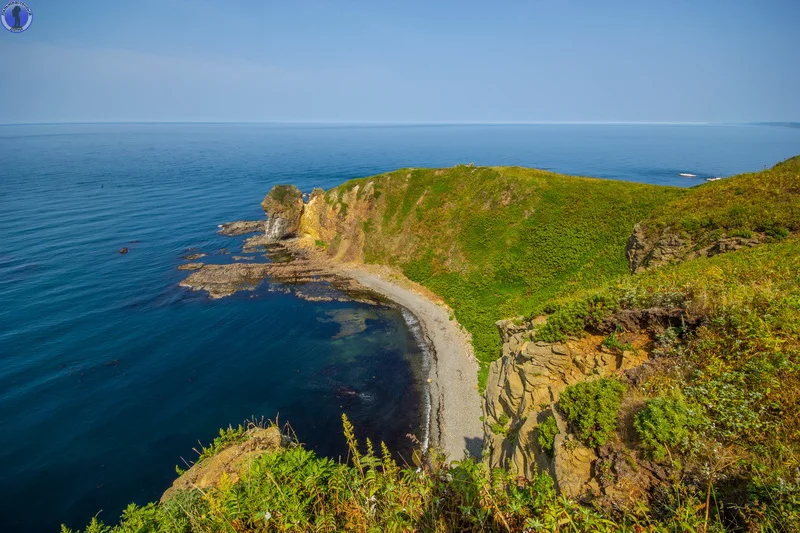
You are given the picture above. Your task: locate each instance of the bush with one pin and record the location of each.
(664, 424)
(292, 489)
(547, 434)
(591, 408)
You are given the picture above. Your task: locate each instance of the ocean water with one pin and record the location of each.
(110, 372)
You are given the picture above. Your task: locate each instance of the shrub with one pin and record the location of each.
(664, 424)
(591, 408)
(501, 426)
(612, 342)
(547, 434)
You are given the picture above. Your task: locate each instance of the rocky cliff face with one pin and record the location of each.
(334, 220)
(648, 248)
(283, 206)
(522, 392)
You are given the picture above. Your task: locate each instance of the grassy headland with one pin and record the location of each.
(497, 242)
(712, 418)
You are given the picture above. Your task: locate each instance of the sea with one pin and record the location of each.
(111, 375)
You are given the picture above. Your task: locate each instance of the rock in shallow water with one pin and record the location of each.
(242, 227)
(191, 266)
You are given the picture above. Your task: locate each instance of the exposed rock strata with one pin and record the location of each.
(648, 248)
(224, 280)
(191, 266)
(522, 391)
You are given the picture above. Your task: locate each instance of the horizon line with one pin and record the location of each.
(405, 123)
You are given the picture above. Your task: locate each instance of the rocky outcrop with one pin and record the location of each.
(241, 227)
(336, 220)
(232, 462)
(523, 389)
(284, 207)
(649, 248)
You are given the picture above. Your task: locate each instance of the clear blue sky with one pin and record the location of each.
(406, 61)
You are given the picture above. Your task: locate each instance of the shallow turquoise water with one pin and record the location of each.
(110, 372)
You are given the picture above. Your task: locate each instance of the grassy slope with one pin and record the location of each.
(501, 241)
(766, 202)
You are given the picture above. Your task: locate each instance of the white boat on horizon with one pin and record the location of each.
(687, 175)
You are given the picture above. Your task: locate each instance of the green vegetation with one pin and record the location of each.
(292, 489)
(721, 392)
(612, 342)
(282, 193)
(664, 425)
(735, 359)
(501, 426)
(592, 408)
(547, 434)
(503, 241)
(764, 202)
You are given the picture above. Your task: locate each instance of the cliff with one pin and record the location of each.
(720, 216)
(664, 400)
(493, 242)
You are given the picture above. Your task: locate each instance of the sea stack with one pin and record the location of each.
(283, 206)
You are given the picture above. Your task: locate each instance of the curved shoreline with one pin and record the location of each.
(455, 405)
(451, 402)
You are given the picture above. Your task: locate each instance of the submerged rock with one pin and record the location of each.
(242, 227)
(191, 266)
(192, 257)
(350, 321)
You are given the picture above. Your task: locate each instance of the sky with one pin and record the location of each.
(403, 61)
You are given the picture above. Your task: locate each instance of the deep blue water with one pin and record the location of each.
(109, 372)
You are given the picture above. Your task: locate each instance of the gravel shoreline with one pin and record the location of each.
(455, 425)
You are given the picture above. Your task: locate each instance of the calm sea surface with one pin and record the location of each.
(110, 373)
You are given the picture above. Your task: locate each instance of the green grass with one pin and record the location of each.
(765, 202)
(547, 432)
(592, 408)
(284, 193)
(294, 490)
(502, 241)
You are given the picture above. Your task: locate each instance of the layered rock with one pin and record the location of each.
(649, 248)
(336, 219)
(522, 391)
